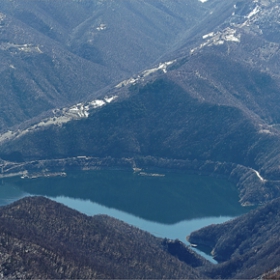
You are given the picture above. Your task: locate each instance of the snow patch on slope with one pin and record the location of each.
(61, 116)
(218, 38)
(110, 99)
(211, 34)
(28, 48)
(101, 27)
(162, 66)
(250, 18)
(258, 175)
(241, 24)
(254, 12)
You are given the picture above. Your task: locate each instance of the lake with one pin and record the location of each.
(169, 206)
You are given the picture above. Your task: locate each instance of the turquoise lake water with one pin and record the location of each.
(170, 206)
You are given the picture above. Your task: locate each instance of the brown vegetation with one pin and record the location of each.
(40, 238)
(247, 246)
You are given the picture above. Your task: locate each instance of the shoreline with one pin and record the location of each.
(253, 189)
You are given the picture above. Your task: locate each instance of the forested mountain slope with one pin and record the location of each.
(247, 246)
(43, 239)
(215, 100)
(57, 53)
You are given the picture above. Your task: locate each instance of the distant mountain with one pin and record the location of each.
(43, 239)
(57, 53)
(247, 246)
(236, 60)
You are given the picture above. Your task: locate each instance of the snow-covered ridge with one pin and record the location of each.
(61, 116)
(80, 110)
(219, 38)
(254, 12)
(145, 73)
(22, 48)
(260, 10)
(250, 18)
(239, 24)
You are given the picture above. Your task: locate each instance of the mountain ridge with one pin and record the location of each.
(44, 239)
(247, 246)
(55, 55)
(107, 137)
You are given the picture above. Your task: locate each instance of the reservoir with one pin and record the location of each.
(168, 205)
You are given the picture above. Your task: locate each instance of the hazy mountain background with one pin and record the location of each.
(56, 53)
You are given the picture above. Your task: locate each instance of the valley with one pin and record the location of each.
(150, 203)
(147, 108)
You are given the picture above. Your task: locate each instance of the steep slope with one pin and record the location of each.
(38, 74)
(235, 65)
(247, 247)
(247, 30)
(56, 53)
(238, 61)
(159, 124)
(213, 107)
(43, 239)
